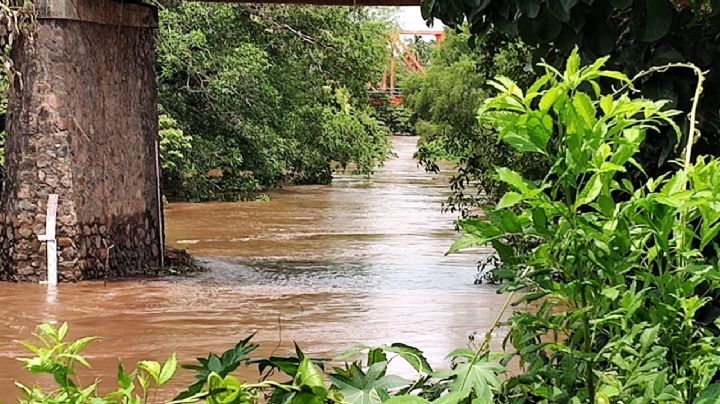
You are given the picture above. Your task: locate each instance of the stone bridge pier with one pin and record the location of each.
(82, 123)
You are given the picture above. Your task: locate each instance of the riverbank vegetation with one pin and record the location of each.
(619, 278)
(254, 96)
(445, 102)
(635, 35)
(258, 95)
(601, 181)
(357, 376)
(623, 276)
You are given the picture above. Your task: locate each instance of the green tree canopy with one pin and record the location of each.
(445, 101)
(270, 93)
(636, 34)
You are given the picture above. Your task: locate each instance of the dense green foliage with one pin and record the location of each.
(254, 96)
(359, 376)
(175, 147)
(267, 94)
(635, 34)
(396, 117)
(620, 277)
(56, 356)
(445, 101)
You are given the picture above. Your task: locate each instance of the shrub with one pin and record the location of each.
(238, 78)
(363, 378)
(59, 358)
(445, 101)
(621, 277)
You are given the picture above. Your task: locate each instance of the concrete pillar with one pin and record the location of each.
(82, 123)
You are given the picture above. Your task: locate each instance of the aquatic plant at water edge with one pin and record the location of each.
(357, 376)
(622, 278)
(58, 357)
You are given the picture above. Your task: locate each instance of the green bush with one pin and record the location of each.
(621, 278)
(56, 356)
(445, 101)
(362, 378)
(635, 34)
(398, 118)
(268, 94)
(175, 147)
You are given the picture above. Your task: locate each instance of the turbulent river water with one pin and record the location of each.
(360, 261)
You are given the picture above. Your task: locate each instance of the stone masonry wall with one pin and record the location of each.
(84, 125)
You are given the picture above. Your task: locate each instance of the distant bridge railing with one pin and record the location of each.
(394, 95)
(389, 92)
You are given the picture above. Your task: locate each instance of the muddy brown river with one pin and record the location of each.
(361, 261)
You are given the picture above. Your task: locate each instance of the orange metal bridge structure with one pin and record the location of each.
(400, 51)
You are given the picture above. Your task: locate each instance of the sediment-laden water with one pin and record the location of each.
(326, 266)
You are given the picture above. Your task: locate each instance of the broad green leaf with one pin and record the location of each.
(454, 397)
(610, 293)
(80, 344)
(590, 191)
(405, 399)
(465, 241)
(572, 65)
(509, 200)
(602, 398)
(676, 184)
(584, 108)
(309, 374)
(521, 142)
(510, 221)
(461, 353)
(611, 74)
(481, 377)
(711, 395)
(657, 21)
(607, 205)
(358, 387)
(124, 379)
(152, 368)
(649, 336)
(532, 92)
(709, 235)
(549, 98)
(376, 355)
(412, 355)
(606, 104)
(168, 370)
(512, 178)
(539, 219)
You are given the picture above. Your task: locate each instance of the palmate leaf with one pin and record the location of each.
(412, 355)
(222, 365)
(406, 400)
(370, 387)
(479, 377)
